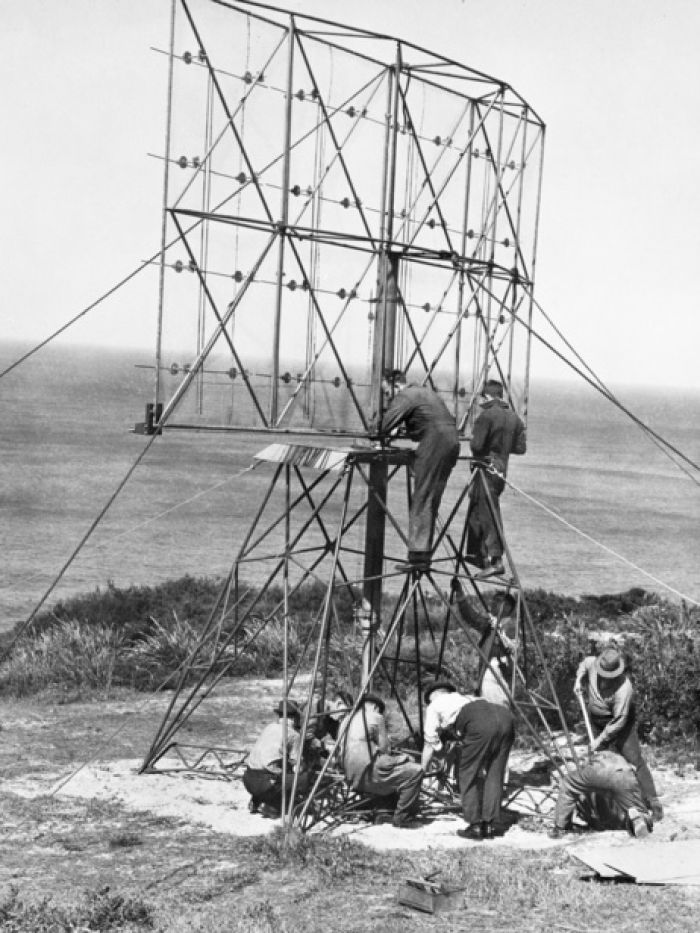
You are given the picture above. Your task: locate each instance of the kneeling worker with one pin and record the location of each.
(485, 733)
(605, 793)
(372, 768)
(263, 776)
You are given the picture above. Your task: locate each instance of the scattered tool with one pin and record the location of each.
(429, 896)
(586, 719)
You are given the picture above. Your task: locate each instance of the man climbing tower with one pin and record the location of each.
(427, 421)
(498, 433)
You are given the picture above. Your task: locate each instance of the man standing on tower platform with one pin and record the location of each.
(498, 433)
(427, 421)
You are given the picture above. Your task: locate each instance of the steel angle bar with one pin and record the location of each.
(330, 542)
(433, 169)
(331, 343)
(458, 161)
(532, 631)
(258, 515)
(224, 645)
(418, 348)
(164, 222)
(382, 504)
(284, 219)
(239, 107)
(408, 119)
(227, 111)
(326, 621)
(201, 690)
(455, 329)
(297, 501)
(406, 594)
(222, 323)
(331, 131)
(245, 5)
(502, 202)
(429, 324)
(443, 531)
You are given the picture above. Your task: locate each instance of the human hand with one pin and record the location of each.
(578, 688)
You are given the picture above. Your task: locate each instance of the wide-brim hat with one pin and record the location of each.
(293, 710)
(438, 685)
(609, 663)
(373, 698)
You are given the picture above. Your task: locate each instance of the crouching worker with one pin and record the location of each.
(263, 776)
(372, 768)
(605, 794)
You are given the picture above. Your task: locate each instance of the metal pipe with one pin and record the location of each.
(164, 222)
(284, 218)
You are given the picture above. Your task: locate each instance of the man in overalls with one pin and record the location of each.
(426, 420)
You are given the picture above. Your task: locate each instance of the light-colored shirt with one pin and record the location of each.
(366, 736)
(269, 749)
(616, 707)
(441, 713)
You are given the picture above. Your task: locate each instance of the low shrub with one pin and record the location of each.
(140, 637)
(74, 655)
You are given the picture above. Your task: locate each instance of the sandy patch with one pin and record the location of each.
(223, 806)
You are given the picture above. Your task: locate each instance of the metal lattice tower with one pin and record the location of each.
(352, 202)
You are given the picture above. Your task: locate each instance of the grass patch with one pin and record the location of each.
(95, 911)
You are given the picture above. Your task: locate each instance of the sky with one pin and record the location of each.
(617, 83)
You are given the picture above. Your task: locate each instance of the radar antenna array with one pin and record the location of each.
(358, 203)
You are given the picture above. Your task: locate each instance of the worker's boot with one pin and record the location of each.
(657, 811)
(638, 822)
(473, 831)
(494, 568)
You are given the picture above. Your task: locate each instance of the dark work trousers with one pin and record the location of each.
(486, 733)
(265, 787)
(626, 742)
(619, 789)
(484, 540)
(394, 776)
(434, 460)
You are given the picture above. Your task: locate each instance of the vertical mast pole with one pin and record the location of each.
(383, 356)
(284, 217)
(164, 222)
(531, 286)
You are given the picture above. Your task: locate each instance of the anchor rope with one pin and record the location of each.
(593, 540)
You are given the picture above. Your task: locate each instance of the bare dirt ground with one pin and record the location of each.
(77, 817)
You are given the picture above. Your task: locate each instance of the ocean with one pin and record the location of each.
(66, 420)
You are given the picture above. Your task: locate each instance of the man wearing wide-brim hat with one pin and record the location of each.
(373, 768)
(276, 754)
(610, 702)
